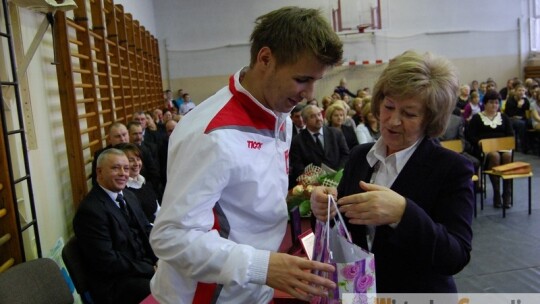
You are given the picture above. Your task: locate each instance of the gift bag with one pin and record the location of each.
(355, 267)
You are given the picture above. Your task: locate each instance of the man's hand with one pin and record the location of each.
(377, 206)
(319, 202)
(288, 273)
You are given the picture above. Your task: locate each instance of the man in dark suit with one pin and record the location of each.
(113, 235)
(118, 134)
(148, 135)
(331, 151)
(297, 120)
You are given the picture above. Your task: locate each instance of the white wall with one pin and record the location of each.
(483, 38)
(141, 10)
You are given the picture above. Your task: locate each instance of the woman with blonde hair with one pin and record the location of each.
(357, 104)
(405, 197)
(335, 117)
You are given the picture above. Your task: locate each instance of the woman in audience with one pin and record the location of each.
(138, 184)
(491, 123)
(326, 102)
(472, 107)
(535, 108)
(357, 104)
(368, 130)
(406, 198)
(463, 98)
(335, 117)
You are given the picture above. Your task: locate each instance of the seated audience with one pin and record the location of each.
(516, 108)
(180, 100)
(168, 102)
(368, 131)
(297, 121)
(504, 91)
(317, 144)
(112, 233)
(149, 155)
(347, 120)
(357, 104)
(142, 188)
(535, 109)
(491, 123)
(342, 90)
(335, 117)
(148, 135)
(118, 134)
(463, 98)
(187, 106)
(472, 107)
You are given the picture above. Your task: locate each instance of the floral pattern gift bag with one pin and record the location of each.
(355, 267)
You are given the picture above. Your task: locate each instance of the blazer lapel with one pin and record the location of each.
(114, 210)
(310, 141)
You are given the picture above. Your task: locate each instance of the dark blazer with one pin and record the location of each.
(106, 242)
(350, 136)
(304, 151)
(432, 241)
(150, 169)
(294, 130)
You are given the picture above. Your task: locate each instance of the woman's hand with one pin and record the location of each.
(377, 206)
(319, 202)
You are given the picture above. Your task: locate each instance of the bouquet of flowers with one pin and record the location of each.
(312, 176)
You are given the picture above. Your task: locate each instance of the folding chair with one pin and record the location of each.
(499, 144)
(38, 281)
(73, 260)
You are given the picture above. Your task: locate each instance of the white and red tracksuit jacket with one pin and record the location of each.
(224, 207)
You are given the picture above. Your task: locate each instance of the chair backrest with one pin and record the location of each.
(455, 145)
(38, 281)
(496, 144)
(71, 254)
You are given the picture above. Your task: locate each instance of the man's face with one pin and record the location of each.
(135, 135)
(140, 118)
(158, 114)
(118, 135)
(287, 85)
(113, 172)
(297, 119)
(170, 127)
(314, 121)
(167, 116)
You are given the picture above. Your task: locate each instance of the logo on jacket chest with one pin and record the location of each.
(254, 144)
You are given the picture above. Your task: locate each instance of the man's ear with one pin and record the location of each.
(265, 56)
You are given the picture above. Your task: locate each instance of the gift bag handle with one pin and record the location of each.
(340, 221)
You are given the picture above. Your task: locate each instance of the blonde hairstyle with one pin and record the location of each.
(356, 101)
(326, 101)
(366, 109)
(432, 80)
(336, 106)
